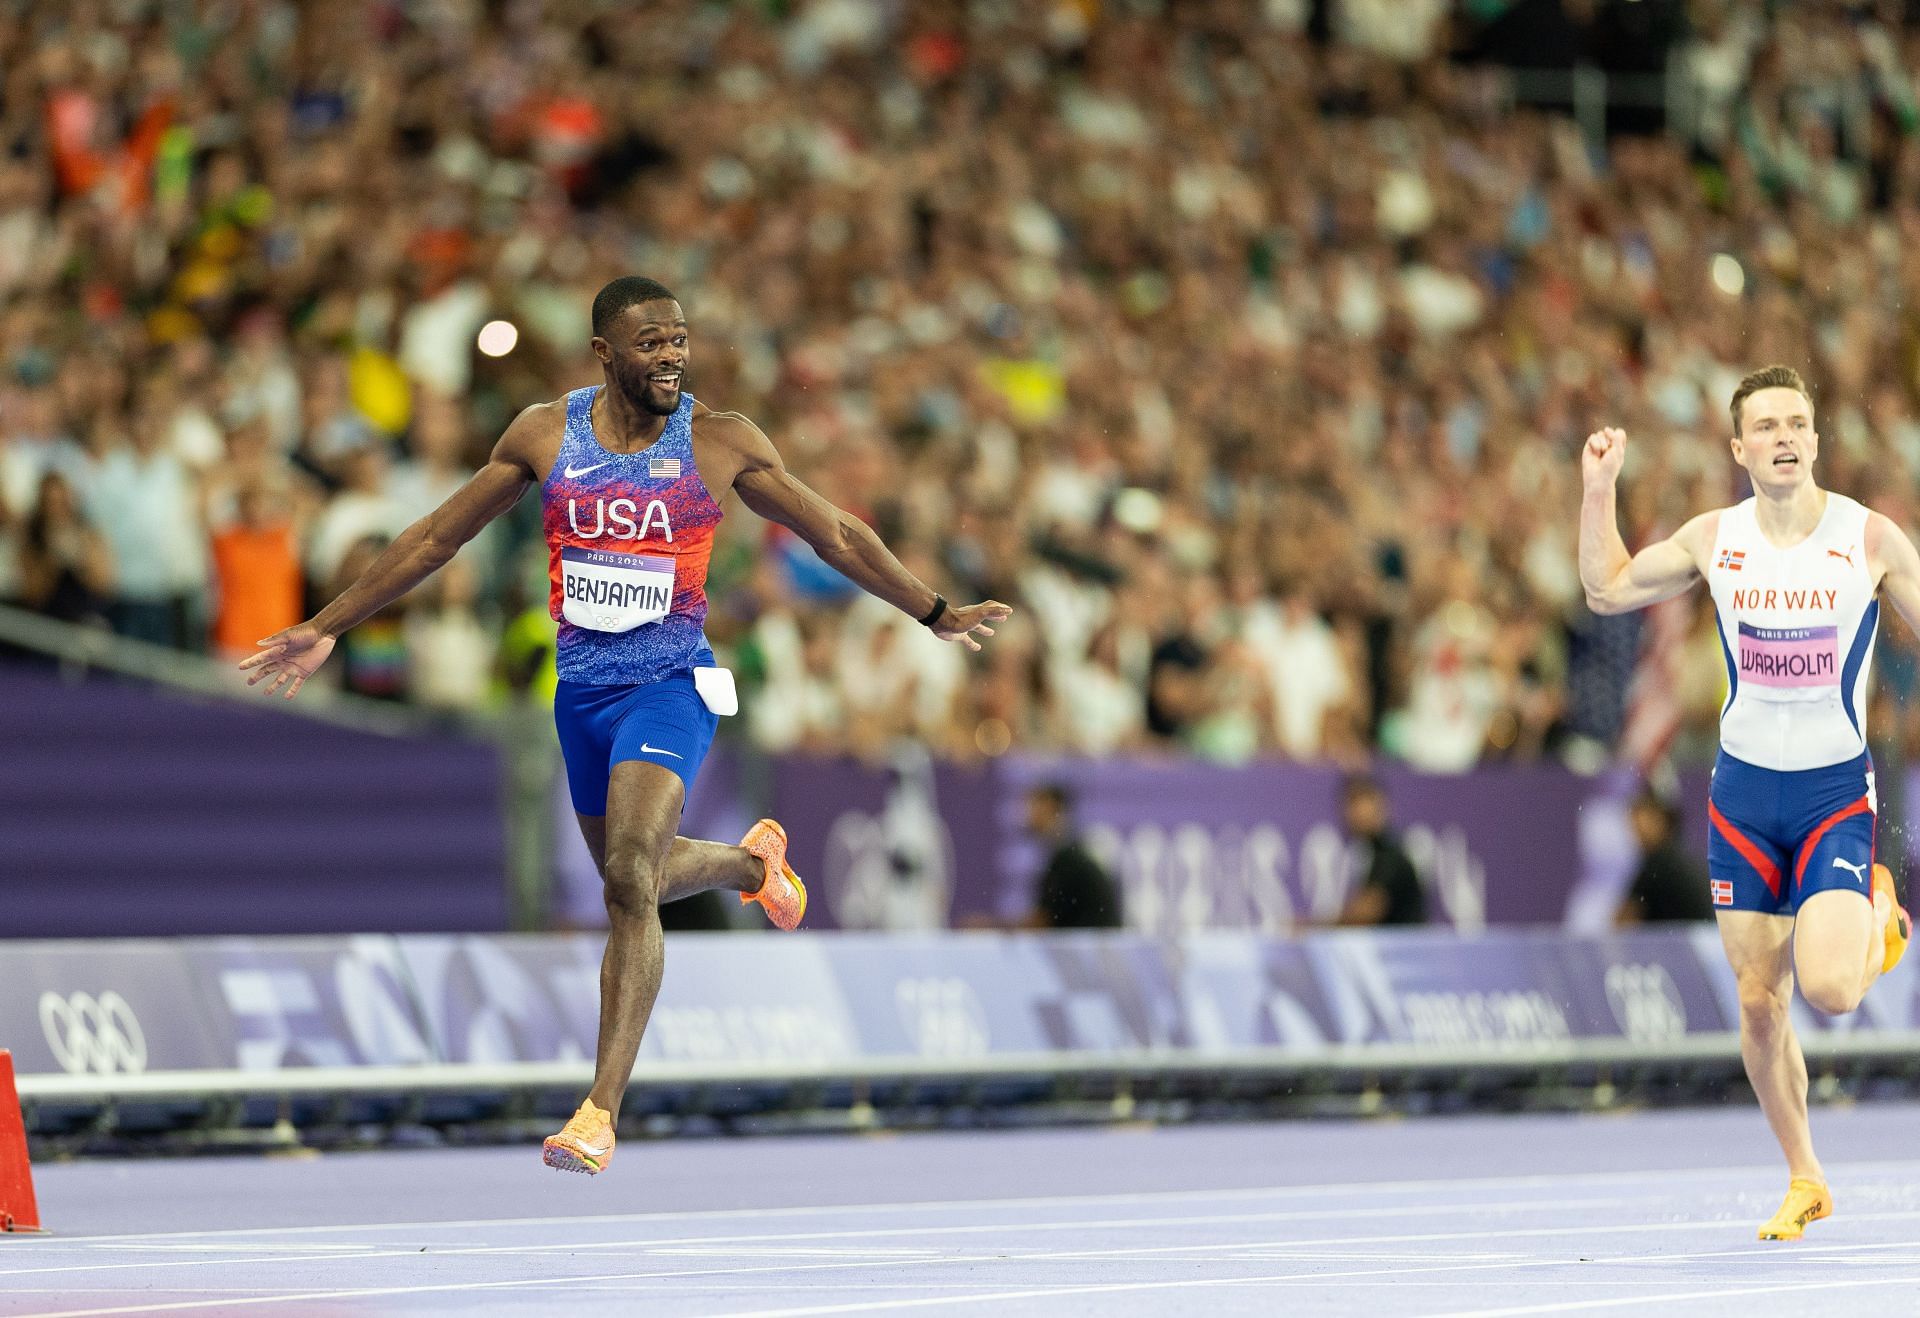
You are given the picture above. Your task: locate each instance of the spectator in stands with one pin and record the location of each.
(1669, 884)
(257, 584)
(66, 566)
(149, 506)
(1072, 889)
(1388, 889)
(1015, 277)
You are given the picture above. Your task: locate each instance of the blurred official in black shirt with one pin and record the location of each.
(1669, 884)
(1073, 890)
(1389, 889)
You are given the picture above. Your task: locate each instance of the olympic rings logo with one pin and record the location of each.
(86, 1033)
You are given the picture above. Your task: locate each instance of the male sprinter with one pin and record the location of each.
(630, 475)
(1794, 573)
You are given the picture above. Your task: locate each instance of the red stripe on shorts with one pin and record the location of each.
(1859, 807)
(1744, 845)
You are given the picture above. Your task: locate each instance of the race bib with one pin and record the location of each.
(1790, 657)
(607, 592)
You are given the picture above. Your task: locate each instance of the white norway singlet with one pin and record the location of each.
(1796, 628)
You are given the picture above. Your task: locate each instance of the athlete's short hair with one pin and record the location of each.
(627, 291)
(1767, 377)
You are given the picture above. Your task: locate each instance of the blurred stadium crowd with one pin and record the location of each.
(1245, 345)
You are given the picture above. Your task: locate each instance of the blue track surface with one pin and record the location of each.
(1650, 1212)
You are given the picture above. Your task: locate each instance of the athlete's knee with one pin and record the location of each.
(1831, 990)
(632, 880)
(1763, 1003)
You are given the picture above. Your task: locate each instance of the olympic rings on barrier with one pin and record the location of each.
(86, 1033)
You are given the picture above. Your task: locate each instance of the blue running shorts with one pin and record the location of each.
(664, 723)
(1776, 837)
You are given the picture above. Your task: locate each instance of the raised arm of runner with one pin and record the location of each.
(1615, 581)
(842, 540)
(291, 656)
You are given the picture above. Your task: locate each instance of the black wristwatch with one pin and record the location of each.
(937, 612)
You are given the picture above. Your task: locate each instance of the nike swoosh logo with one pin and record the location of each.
(655, 750)
(592, 1152)
(572, 472)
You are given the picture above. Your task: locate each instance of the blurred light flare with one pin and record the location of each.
(497, 338)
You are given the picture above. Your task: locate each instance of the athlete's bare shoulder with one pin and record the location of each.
(727, 427)
(531, 440)
(728, 444)
(1698, 533)
(1888, 547)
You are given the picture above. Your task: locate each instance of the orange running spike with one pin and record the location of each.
(18, 1211)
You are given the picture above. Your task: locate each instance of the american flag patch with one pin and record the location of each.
(1722, 891)
(1731, 559)
(664, 469)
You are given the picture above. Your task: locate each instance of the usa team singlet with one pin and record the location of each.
(629, 536)
(1792, 805)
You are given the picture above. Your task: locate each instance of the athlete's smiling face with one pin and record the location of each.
(1777, 443)
(645, 354)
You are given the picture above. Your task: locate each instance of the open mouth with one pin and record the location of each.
(666, 379)
(1785, 460)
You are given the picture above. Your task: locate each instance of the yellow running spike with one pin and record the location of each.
(1807, 1201)
(1899, 923)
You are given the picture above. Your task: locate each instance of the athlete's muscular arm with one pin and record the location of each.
(290, 657)
(1615, 581)
(1892, 557)
(842, 540)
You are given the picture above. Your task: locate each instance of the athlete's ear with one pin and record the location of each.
(601, 349)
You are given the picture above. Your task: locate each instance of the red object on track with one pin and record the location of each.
(18, 1211)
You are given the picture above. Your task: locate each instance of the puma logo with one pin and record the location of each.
(1859, 871)
(1835, 553)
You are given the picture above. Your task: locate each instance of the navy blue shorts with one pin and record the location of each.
(664, 723)
(1777, 837)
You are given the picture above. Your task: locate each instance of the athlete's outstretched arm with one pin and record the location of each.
(842, 540)
(1892, 553)
(1615, 581)
(290, 657)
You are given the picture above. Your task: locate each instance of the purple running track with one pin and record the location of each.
(1640, 1212)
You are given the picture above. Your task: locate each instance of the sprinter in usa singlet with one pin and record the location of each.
(629, 472)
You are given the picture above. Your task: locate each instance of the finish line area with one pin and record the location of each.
(1482, 1215)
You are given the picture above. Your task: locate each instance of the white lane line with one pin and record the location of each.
(793, 1238)
(1400, 1271)
(1200, 1283)
(1453, 1186)
(1569, 1306)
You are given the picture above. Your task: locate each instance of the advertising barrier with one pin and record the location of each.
(921, 845)
(84, 1018)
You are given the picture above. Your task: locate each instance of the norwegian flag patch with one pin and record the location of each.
(1722, 892)
(1731, 559)
(664, 469)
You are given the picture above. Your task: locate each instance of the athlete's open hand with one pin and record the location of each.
(973, 618)
(1601, 458)
(289, 657)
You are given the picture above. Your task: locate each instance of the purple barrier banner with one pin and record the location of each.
(124, 809)
(919, 845)
(849, 1000)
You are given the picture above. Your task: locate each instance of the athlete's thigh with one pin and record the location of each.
(587, 718)
(594, 829)
(643, 813)
(1759, 947)
(1831, 936)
